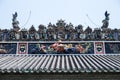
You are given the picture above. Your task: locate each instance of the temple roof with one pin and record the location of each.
(55, 63)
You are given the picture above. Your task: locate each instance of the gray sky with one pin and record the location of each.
(85, 12)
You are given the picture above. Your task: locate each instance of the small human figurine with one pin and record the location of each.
(2, 50)
(42, 48)
(57, 46)
(60, 48)
(79, 48)
(54, 46)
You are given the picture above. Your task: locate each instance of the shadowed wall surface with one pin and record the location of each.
(62, 76)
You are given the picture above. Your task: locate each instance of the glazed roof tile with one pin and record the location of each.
(59, 63)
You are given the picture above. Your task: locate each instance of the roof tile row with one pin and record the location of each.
(59, 63)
